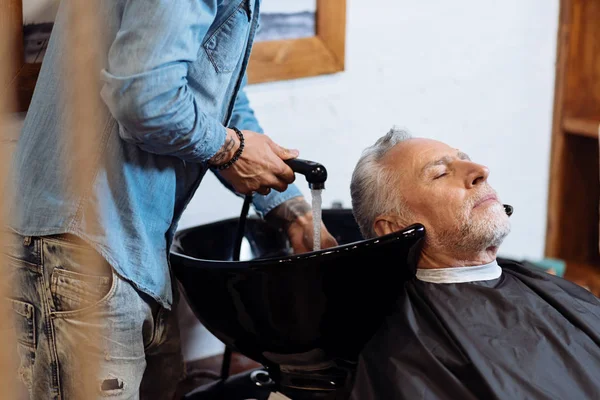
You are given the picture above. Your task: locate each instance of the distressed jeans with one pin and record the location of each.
(73, 321)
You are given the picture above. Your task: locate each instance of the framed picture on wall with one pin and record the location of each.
(296, 39)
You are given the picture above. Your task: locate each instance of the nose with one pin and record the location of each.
(477, 174)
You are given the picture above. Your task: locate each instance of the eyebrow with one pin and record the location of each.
(445, 161)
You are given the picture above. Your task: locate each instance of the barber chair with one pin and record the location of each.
(304, 318)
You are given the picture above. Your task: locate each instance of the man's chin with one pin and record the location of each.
(487, 228)
(498, 228)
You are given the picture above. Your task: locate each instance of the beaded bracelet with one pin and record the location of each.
(237, 154)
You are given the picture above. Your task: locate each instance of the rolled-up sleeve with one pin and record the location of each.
(145, 81)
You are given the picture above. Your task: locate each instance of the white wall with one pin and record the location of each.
(478, 75)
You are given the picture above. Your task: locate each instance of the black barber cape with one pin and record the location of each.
(529, 335)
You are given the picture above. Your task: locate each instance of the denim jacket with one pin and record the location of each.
(173, 77)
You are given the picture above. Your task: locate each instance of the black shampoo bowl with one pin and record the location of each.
(304, 317)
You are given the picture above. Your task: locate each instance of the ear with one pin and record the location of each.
(386, 224)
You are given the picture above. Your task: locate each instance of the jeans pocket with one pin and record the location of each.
(226, 45)
(24, 329)
(74, 291)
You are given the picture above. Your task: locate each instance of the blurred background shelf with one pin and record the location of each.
(574, 188)
(585, 275)
(582, 127)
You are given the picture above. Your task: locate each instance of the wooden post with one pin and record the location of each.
(82, 130)
(11, 59)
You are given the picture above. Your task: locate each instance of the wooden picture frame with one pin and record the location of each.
(323, 53)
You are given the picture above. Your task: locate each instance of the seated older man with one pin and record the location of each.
(466, 326)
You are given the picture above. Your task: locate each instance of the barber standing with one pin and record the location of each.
(173, 85)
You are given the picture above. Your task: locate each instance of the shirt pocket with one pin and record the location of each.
(24, 328)
(227, 43)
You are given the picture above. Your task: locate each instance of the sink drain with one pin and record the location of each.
(261, 378)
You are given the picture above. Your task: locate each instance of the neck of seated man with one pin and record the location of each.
(435, 257)
(441, 266)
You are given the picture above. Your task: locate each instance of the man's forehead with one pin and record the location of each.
(419, 152)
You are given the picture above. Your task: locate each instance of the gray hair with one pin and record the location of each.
(373, 183)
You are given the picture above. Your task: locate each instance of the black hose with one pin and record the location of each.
(226, 364)
(237, 247)
(241, 228)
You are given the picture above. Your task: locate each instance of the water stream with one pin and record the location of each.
(316, 210)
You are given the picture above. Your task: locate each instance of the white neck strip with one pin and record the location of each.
(485, 272)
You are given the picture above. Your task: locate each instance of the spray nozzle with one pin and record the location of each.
(315, 173)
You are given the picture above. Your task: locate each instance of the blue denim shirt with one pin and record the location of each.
(173, 78)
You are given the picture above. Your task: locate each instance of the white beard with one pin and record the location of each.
(476, 232)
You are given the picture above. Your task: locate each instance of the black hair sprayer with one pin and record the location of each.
(315, 173)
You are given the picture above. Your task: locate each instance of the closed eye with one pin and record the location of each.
(440, 175)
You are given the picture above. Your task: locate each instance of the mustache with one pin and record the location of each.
(483, 194)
